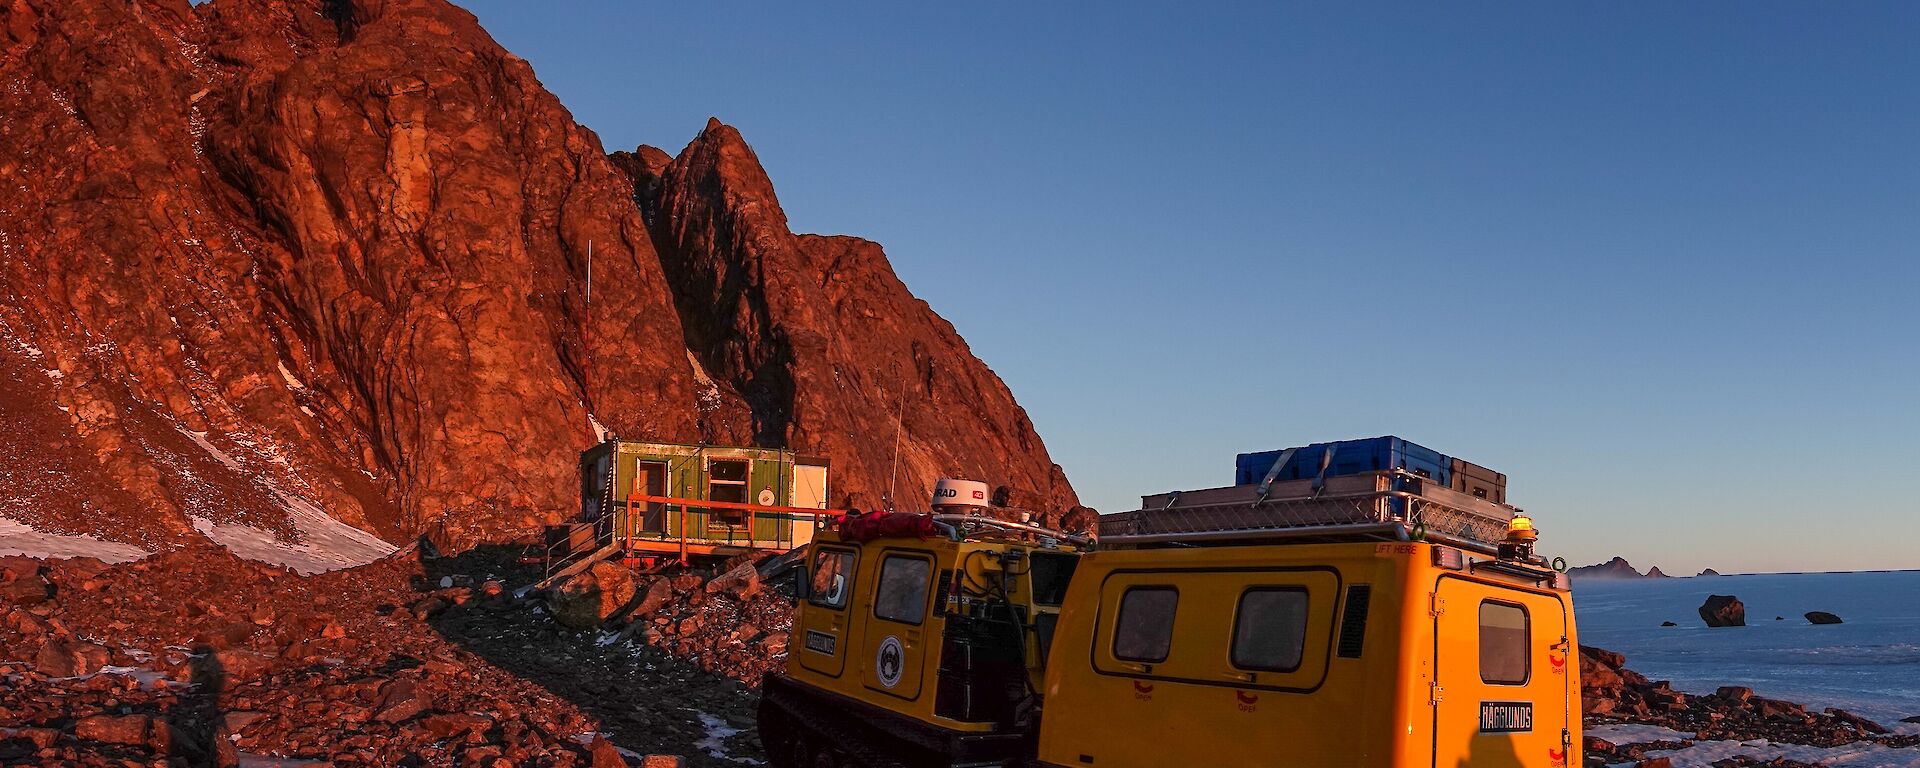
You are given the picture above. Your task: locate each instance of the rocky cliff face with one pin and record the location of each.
(262, 260)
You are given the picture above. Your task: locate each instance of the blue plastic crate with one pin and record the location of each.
(1350, 457)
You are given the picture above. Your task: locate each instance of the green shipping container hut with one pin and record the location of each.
(615, 475)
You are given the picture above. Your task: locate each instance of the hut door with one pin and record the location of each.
(653, 477)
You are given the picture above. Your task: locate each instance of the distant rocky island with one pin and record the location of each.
(1617, 568)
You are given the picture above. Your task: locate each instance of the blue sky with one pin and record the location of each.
(1654, 261)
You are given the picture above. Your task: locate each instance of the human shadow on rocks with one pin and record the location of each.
(194, 724)
(646, 701)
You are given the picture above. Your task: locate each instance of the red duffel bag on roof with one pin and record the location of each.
(880, 525)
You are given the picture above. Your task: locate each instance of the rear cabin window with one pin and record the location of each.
(727, 481)
(902, 595)
(832, 578)
(1144, 629)
(1503, 643)
(1270, 629)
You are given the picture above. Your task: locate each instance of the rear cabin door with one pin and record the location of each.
(825, 622)
(1504, 691)
(897, 636)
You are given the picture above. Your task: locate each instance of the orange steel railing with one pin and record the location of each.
(686, 505)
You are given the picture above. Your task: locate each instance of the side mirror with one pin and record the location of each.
(802, 586)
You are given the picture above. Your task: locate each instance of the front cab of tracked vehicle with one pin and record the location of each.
(913, 651)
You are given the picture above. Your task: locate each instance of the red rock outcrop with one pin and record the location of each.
(257, 255)
(822, 347)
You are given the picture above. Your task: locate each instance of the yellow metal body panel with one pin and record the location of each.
(1408, 691)
(1200, 706)
(843, 650)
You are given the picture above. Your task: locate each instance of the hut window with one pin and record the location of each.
(727, 481)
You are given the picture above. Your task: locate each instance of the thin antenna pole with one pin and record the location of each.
(586, 336)
(899, 423)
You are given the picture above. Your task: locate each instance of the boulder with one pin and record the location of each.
(589, 598)
(658, 594)
(1861, 723)
(1822, 617)
(453, 723)
(237, 666)
(1080, 520)
(743, 581)
(70, 658)
(27, 589)
(1668, 624)
(1723, 611)
(114, 729)
(604, 755)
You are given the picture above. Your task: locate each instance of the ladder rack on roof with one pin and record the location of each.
(1392, 504)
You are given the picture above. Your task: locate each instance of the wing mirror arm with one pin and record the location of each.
(802, 586)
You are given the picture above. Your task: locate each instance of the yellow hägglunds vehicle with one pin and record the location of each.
(1370, 619)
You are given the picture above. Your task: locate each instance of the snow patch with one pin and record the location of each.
(1636, 733)
(325, 544)
(1862, 754)
(25, 347)
(18, 539)
(292, 380)
(715, 743)
(200, 438)
(251, 760)
(1703, 754)
(709, 392)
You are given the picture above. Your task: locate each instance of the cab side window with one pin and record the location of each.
(902, 595)
(1144, 629)
(832, 578)
(1504, 657)
(1270, 629)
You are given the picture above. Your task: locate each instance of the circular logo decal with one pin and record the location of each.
(766, 497)
(889, 661)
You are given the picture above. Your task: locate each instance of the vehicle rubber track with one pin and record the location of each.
(858, 745)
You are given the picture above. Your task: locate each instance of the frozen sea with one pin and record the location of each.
(1869, 665)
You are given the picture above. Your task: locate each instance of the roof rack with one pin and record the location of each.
(963, 526)
(1393, 504)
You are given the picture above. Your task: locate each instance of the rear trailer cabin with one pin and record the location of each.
(661, 497)
(1345, 654)
(1377, 620)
